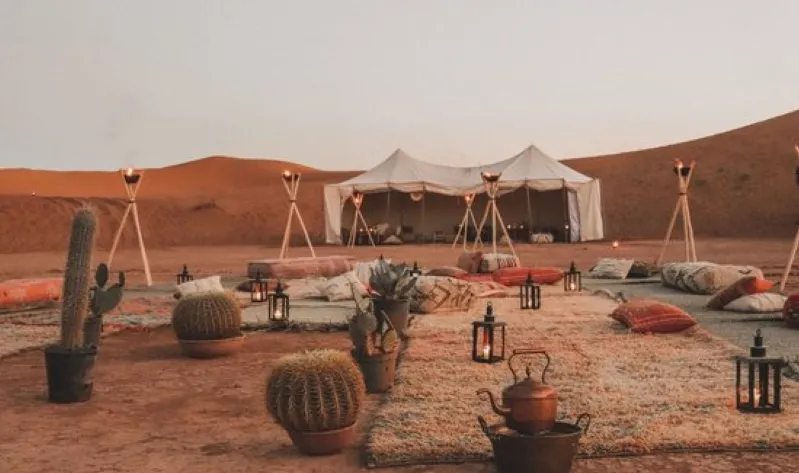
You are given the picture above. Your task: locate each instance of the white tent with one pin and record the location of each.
(536, 189)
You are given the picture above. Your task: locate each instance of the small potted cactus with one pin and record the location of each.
(208, 325)
(389, 296)
(70, 362)
(374, 349)
(316, 396)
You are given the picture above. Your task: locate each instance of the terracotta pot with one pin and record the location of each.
(323, 443)
(211, 348)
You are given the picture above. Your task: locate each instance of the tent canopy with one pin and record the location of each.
(530, 169)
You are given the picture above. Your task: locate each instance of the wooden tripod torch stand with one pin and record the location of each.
(468, 218)
(684, 175)
(491, 183)
(787, 273)
(291, 181)
(357, 202)
(132, 181)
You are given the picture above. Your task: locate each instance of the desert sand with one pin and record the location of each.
(216, 213)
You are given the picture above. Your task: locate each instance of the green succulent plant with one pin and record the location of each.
(385, 277)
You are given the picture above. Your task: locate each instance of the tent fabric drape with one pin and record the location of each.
(531, 170)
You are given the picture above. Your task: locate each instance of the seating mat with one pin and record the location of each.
(297, 268)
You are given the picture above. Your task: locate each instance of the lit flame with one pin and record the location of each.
(615, 244)
(129, 171)
(468, 198)
(486, 351)
(678, 163)
(756, 399)
(357, 199)
(286, 174)
(278, 314)
(572, 286)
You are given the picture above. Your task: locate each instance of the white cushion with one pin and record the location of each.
(340, 288)
(757, 303)
(611, 268)
(211, 284)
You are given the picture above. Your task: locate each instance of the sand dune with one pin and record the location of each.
(743, 187)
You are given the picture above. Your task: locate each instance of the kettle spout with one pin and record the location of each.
(499, 410)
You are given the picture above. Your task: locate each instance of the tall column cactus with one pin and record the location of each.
(75, 296)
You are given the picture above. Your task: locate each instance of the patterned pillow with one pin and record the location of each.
(470, 261)
(742, 287)
(647, 316)
(449, 271)
(760, 303)
(493, 261)
(439, 293)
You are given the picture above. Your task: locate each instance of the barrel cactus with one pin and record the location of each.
(213, 316)
(315, 391)
(75, 296)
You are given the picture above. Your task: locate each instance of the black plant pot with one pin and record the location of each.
(69, 374)
(92, 331)
(378, 371)
(398, 311)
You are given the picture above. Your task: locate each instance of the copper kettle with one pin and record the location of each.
(528, 406)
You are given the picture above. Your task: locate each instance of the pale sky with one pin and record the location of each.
(339, 84)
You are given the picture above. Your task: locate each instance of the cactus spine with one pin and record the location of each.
(212, 316)
(75, 296)
(315, 391)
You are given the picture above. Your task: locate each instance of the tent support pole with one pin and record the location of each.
(566, 224)
(424, 220)
(529, 213)
(388, 207)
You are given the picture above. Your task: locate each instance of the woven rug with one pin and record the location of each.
(645, 393)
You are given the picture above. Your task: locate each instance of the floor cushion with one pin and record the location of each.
(491, 262)
(209, 285)
(298, 268)
(29, 293)
(542, 238)
(476, 277)
(517, 276)
(642, 269)
(308, 288)
(449, 271)
(392, 240)
(704, 277)
(760, 303)
(790, 311)
(489, 289)
(742, 287)
(470, 261)
(438, 294)
(649, 316)
(610, 268)
(341, 287)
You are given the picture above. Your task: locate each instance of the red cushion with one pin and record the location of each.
(790, 311)
(476, 277)
(647, 316)
(517, 276)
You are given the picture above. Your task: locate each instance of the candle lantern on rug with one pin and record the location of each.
(259, 288)
(530, 294)
(572, 279)
(415, 271)
(184, 276)
(278, 305)
(488, 338)
(761, 393)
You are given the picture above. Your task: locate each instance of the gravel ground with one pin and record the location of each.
(737, 328)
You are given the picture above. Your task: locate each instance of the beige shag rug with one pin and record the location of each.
(645, 393)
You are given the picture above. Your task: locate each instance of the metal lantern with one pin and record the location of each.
(572, 279)
(278, 305)
(415, 271)
(764, 378)
(530, 294)
(131, 176)
(259, 288)
(184, 276)
(488, 338)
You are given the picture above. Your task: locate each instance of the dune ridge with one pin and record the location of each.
(743, 187)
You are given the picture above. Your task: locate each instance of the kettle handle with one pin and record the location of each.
(529, 351)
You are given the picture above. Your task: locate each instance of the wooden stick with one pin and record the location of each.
(292, 190)
(118, 234)
(147, 276)
(479, 241)
(666, 240)
(287, 231)
(688, 228)
(132, 190)
(366, 226)
(787, 272)
(505, 231)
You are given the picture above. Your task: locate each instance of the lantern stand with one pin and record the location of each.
(529, 294)
(278, 308)
(357, 202)
(184, 276)
(259, 288)
(484, 334)
(787, 273)
(684, 175)
(763, 374)
(291, 181)
(468, 217)
(572, 279)
(132, 181)
(491, 182)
